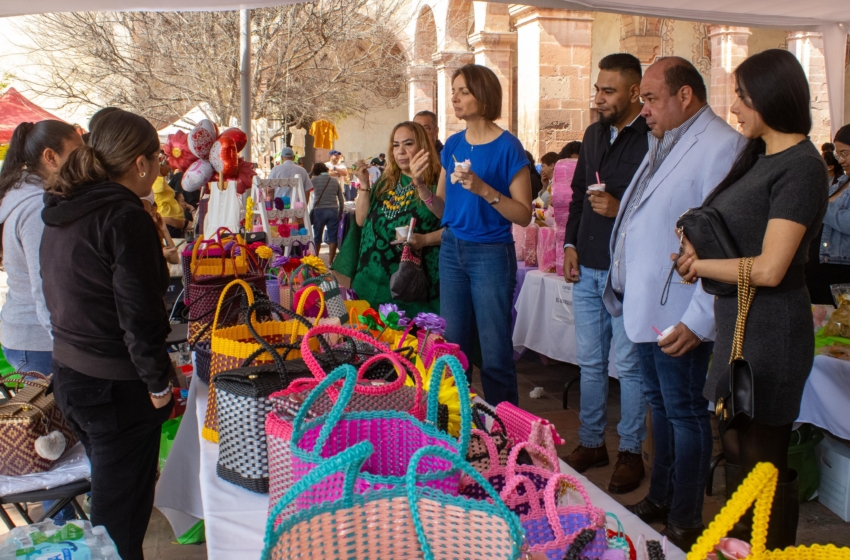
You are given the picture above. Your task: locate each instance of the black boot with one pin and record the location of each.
(782, 530)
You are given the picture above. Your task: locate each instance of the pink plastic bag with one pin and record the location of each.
(546, 250)
(562, 178)
(560, 234)
(519, 241)
(531, 233)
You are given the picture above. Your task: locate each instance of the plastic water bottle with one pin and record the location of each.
(107, 552)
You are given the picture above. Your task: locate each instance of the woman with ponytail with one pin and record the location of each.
(36, 152)
(104, 282)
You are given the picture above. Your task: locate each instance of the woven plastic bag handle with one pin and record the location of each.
(492, 452)
(302, 303)
(457, 461)
(442, 366)
(530, 492)
(249, 292)
(550, 501)
(510, 466)
(196, 260)
(758, 487)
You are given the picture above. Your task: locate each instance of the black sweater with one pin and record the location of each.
(104, 282)
(616, 163)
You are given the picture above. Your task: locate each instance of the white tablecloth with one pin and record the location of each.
(235, 518)
(826, 397)
(544, 319)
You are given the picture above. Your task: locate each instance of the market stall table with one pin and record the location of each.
(826, 397)
(235, 518)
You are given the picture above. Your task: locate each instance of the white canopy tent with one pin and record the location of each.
(830, 17)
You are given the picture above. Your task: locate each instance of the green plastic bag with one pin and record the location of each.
(166, 439)
(195, 535)
(802, 458)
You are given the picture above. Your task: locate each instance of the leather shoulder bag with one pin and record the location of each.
(735, 393)
(706, 230)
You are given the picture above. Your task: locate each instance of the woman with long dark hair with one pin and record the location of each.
(829, 252)
(104, 282)
(369, 256)
(35, 154)
(484, 187)
(772, 201)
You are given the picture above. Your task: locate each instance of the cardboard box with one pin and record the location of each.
(834, 491)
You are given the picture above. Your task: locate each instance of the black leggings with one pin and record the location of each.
(758, 444)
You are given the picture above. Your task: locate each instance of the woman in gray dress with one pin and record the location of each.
(773, 202)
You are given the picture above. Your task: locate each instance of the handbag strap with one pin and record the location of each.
(746, 293)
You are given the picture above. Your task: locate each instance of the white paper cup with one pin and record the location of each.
(598, 187)
(401, 232)
(665, 332)
(462, 165)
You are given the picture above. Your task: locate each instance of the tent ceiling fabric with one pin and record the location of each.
(15, 109)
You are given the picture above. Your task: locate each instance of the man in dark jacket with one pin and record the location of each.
(612, 151)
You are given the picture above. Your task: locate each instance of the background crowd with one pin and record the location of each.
(87, 269)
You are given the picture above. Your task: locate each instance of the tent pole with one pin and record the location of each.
(245, 77)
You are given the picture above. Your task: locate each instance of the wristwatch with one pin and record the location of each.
(496, 200)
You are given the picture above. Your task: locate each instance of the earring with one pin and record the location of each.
(142, 174)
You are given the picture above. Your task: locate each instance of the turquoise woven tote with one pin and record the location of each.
(397, 434)
(381, 525)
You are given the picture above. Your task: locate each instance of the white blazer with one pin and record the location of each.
(694, 167)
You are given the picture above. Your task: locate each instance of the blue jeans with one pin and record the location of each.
(322, 218)
(29, 360)
(681, 429)
(477, 282)
(595, 331)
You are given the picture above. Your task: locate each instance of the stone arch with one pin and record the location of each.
(460, 24)
(641, 36)
(425, 42)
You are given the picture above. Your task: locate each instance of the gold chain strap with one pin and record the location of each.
(746, 293)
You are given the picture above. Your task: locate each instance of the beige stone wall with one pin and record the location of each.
(808, 48)
(761, 40)
(605, 40)
(728, 50)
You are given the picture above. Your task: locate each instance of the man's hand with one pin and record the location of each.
(604, 204)
(159, 403)
(571, 270)
(679, 342)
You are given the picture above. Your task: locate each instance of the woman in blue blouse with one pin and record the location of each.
(477, 205)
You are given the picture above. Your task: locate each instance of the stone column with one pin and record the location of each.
(728, 50)
(807, 46)
(422, 90)
(553, 76)
(493, 50)
(446, 62)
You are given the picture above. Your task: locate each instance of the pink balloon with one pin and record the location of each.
(202, 138)
(199, 174)
(238, 136)
(224, 158)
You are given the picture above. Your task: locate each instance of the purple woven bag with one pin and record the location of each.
(553, 528)
(396, 437)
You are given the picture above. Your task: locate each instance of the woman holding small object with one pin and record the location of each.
(483, 188)
(381, 209)
(772, 202)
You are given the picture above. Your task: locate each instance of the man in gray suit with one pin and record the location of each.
(690, 151)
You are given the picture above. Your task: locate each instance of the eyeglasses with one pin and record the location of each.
(845, 155)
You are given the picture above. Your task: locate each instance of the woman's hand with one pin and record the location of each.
(469, 180)
(362, 172)
(171, 255)
(418, 241)
(418, 165)
(685, 263)
(159, 403)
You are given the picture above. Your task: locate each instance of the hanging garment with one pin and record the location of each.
(324, 134)
(299, 140)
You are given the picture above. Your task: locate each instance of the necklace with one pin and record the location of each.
(398, 199)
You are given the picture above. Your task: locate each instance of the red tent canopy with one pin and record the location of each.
(15, 109)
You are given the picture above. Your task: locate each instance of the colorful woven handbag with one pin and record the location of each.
(520, 423)
(397, 436)
(380, 525)
(231, 346)
(203, 357)
(30, 414)
(334, 304)
(758, 487)
(552, 529)
(487, 447)
(290, 284)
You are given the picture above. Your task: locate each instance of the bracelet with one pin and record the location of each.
(429, 201)
(368, 189)
(163, 394)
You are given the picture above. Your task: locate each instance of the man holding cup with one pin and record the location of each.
(612, 151)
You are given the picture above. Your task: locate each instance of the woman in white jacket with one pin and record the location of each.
(36, 151)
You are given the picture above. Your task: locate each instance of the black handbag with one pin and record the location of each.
(409, 283)
(706, 230)
(735, 394)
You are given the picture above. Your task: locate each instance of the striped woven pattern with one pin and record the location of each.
(407, 522)
(203, 359)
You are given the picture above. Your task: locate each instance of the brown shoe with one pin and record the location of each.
(627, 474)
(584, 458)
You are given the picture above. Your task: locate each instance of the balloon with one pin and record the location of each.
(199, 174)
(224, 158)
(246, 176)
(202, 138)
(238, 136)
(177, 151)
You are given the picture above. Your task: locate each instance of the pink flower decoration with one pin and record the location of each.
(177, 151)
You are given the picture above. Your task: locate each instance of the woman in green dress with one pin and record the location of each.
(371, 258)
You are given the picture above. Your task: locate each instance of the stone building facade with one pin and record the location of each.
(546, 60)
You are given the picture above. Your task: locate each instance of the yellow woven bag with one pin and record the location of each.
(231, 346)
(759, 487)
(218, 266)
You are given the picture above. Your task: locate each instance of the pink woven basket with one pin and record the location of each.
(552, 528)
(396, 437)
(520, 423)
